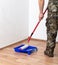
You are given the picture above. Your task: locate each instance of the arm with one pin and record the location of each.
(41, 6)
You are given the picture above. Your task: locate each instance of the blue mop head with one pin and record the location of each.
(25, 49)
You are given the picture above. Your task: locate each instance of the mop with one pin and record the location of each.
(24, 48)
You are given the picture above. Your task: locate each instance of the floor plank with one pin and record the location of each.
(9, 57)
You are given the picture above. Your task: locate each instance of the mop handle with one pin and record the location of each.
(36, 27)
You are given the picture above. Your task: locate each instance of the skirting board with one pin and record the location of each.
(39, 40)
(26, 40)
(4, 46)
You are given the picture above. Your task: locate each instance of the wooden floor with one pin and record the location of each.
(9, 57)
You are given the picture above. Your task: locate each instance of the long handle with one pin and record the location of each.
(36, 27)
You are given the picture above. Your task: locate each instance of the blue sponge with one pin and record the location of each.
(25, 49)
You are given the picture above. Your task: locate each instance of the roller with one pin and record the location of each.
(24, 47)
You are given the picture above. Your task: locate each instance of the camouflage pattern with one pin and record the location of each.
(52, 26)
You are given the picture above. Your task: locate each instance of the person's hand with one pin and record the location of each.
(41, 16)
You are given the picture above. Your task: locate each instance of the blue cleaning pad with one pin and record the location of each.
(25, 49)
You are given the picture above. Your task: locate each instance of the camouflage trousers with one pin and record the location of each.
(52, 27)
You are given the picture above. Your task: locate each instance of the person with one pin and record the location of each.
(51, 25)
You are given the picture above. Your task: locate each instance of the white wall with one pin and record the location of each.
(40, 32)
(13, 21)
(15, 17)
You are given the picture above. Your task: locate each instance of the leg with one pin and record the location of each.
(51, 37)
